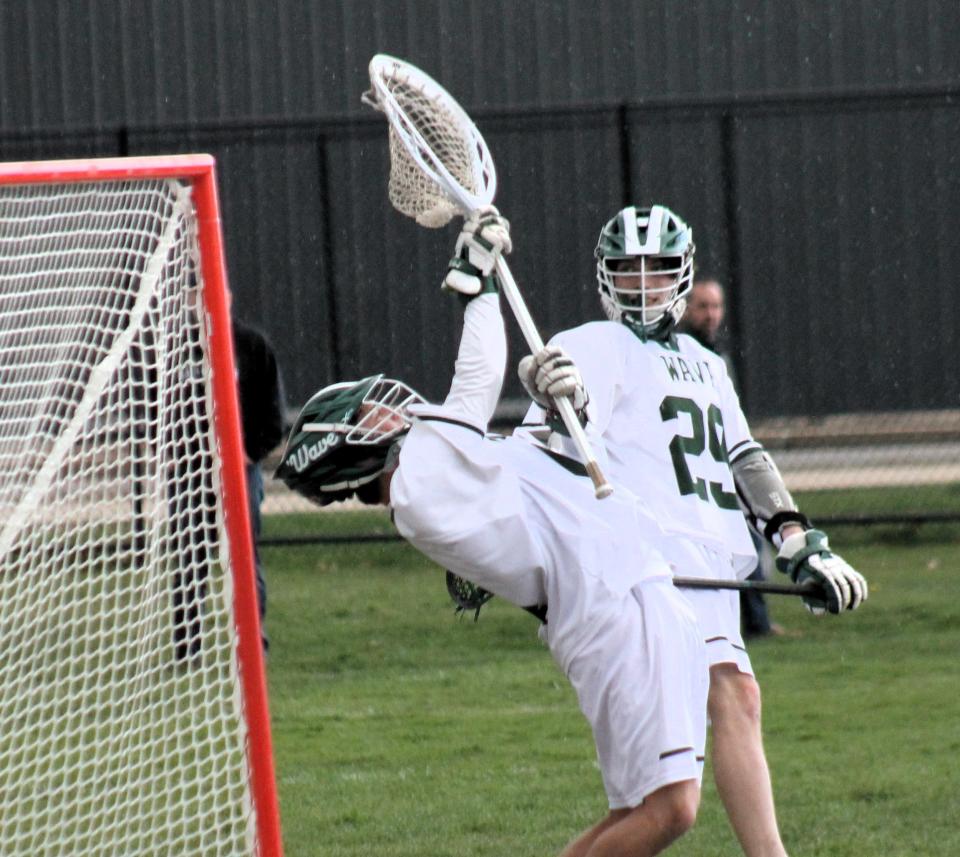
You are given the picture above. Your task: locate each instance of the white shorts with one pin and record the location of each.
(718, 610)
(642, 685)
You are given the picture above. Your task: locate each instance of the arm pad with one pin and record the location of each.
(765, 499)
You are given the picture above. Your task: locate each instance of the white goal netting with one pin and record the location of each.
(121, 717)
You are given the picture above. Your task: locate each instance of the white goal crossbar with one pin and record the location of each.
(133, 706)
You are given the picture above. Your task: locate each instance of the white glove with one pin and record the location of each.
(485, 235)
(807, 557)
(550, 374)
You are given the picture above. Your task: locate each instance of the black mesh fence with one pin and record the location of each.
(870, 468)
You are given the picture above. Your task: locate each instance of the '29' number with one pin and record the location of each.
(706, 433)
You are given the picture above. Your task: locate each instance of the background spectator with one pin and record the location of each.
(262, 415)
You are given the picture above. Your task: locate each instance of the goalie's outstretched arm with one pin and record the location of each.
(420, 111)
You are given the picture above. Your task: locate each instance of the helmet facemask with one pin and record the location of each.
(379, 416)
(345, 437)
(645, 269)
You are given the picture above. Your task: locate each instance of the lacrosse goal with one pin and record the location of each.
(132, 695)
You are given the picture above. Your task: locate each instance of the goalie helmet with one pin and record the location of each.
(645, 269)
(344, 437)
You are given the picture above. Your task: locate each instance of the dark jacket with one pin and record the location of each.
(260, 387)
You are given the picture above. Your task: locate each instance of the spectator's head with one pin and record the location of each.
(645, 269)
(345, 438)
(705, 310)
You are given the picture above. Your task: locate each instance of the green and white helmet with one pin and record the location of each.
(343, 438)
(645, 269)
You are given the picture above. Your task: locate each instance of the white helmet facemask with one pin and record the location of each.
(645, 268)
(647, 287)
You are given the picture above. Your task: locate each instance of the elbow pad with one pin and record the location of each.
(765, 499)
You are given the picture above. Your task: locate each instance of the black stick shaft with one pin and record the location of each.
(765, 586)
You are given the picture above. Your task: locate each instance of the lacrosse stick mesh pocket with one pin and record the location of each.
(411, 191)
(466, 595)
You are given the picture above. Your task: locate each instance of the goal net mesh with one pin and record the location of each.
(121, 716)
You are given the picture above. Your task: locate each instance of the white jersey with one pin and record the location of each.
(521, 521)
(670, 420)
(509, 515)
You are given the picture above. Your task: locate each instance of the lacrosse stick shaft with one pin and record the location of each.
(408, 129)
(602, 488)
(764, 586)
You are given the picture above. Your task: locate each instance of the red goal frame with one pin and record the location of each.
(200, 169)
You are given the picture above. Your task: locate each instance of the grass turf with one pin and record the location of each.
(400, 730)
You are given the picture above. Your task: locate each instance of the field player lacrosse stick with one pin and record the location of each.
(766, 586)
(440, 166)
(467, 596)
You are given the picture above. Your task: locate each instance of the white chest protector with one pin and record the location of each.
(669, 417)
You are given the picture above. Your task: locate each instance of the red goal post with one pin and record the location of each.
(143, 711)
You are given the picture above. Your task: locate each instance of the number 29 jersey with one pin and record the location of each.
(671, 421)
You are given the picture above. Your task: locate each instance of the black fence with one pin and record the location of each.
(832, 218)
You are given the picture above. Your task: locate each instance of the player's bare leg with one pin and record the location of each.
(739, 764)
(643, 831)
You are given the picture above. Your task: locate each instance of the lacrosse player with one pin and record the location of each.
(676, 436)
(513, 516)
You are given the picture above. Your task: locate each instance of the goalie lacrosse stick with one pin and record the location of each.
(440, 166)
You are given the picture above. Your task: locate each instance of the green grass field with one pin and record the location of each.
(401, 730)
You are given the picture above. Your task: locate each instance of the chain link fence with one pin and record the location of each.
(885, 467)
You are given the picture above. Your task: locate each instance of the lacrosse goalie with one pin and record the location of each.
(513, 516)
(676, 436)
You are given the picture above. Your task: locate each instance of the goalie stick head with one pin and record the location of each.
(439, 163)
(344, 437)
(645, 269)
